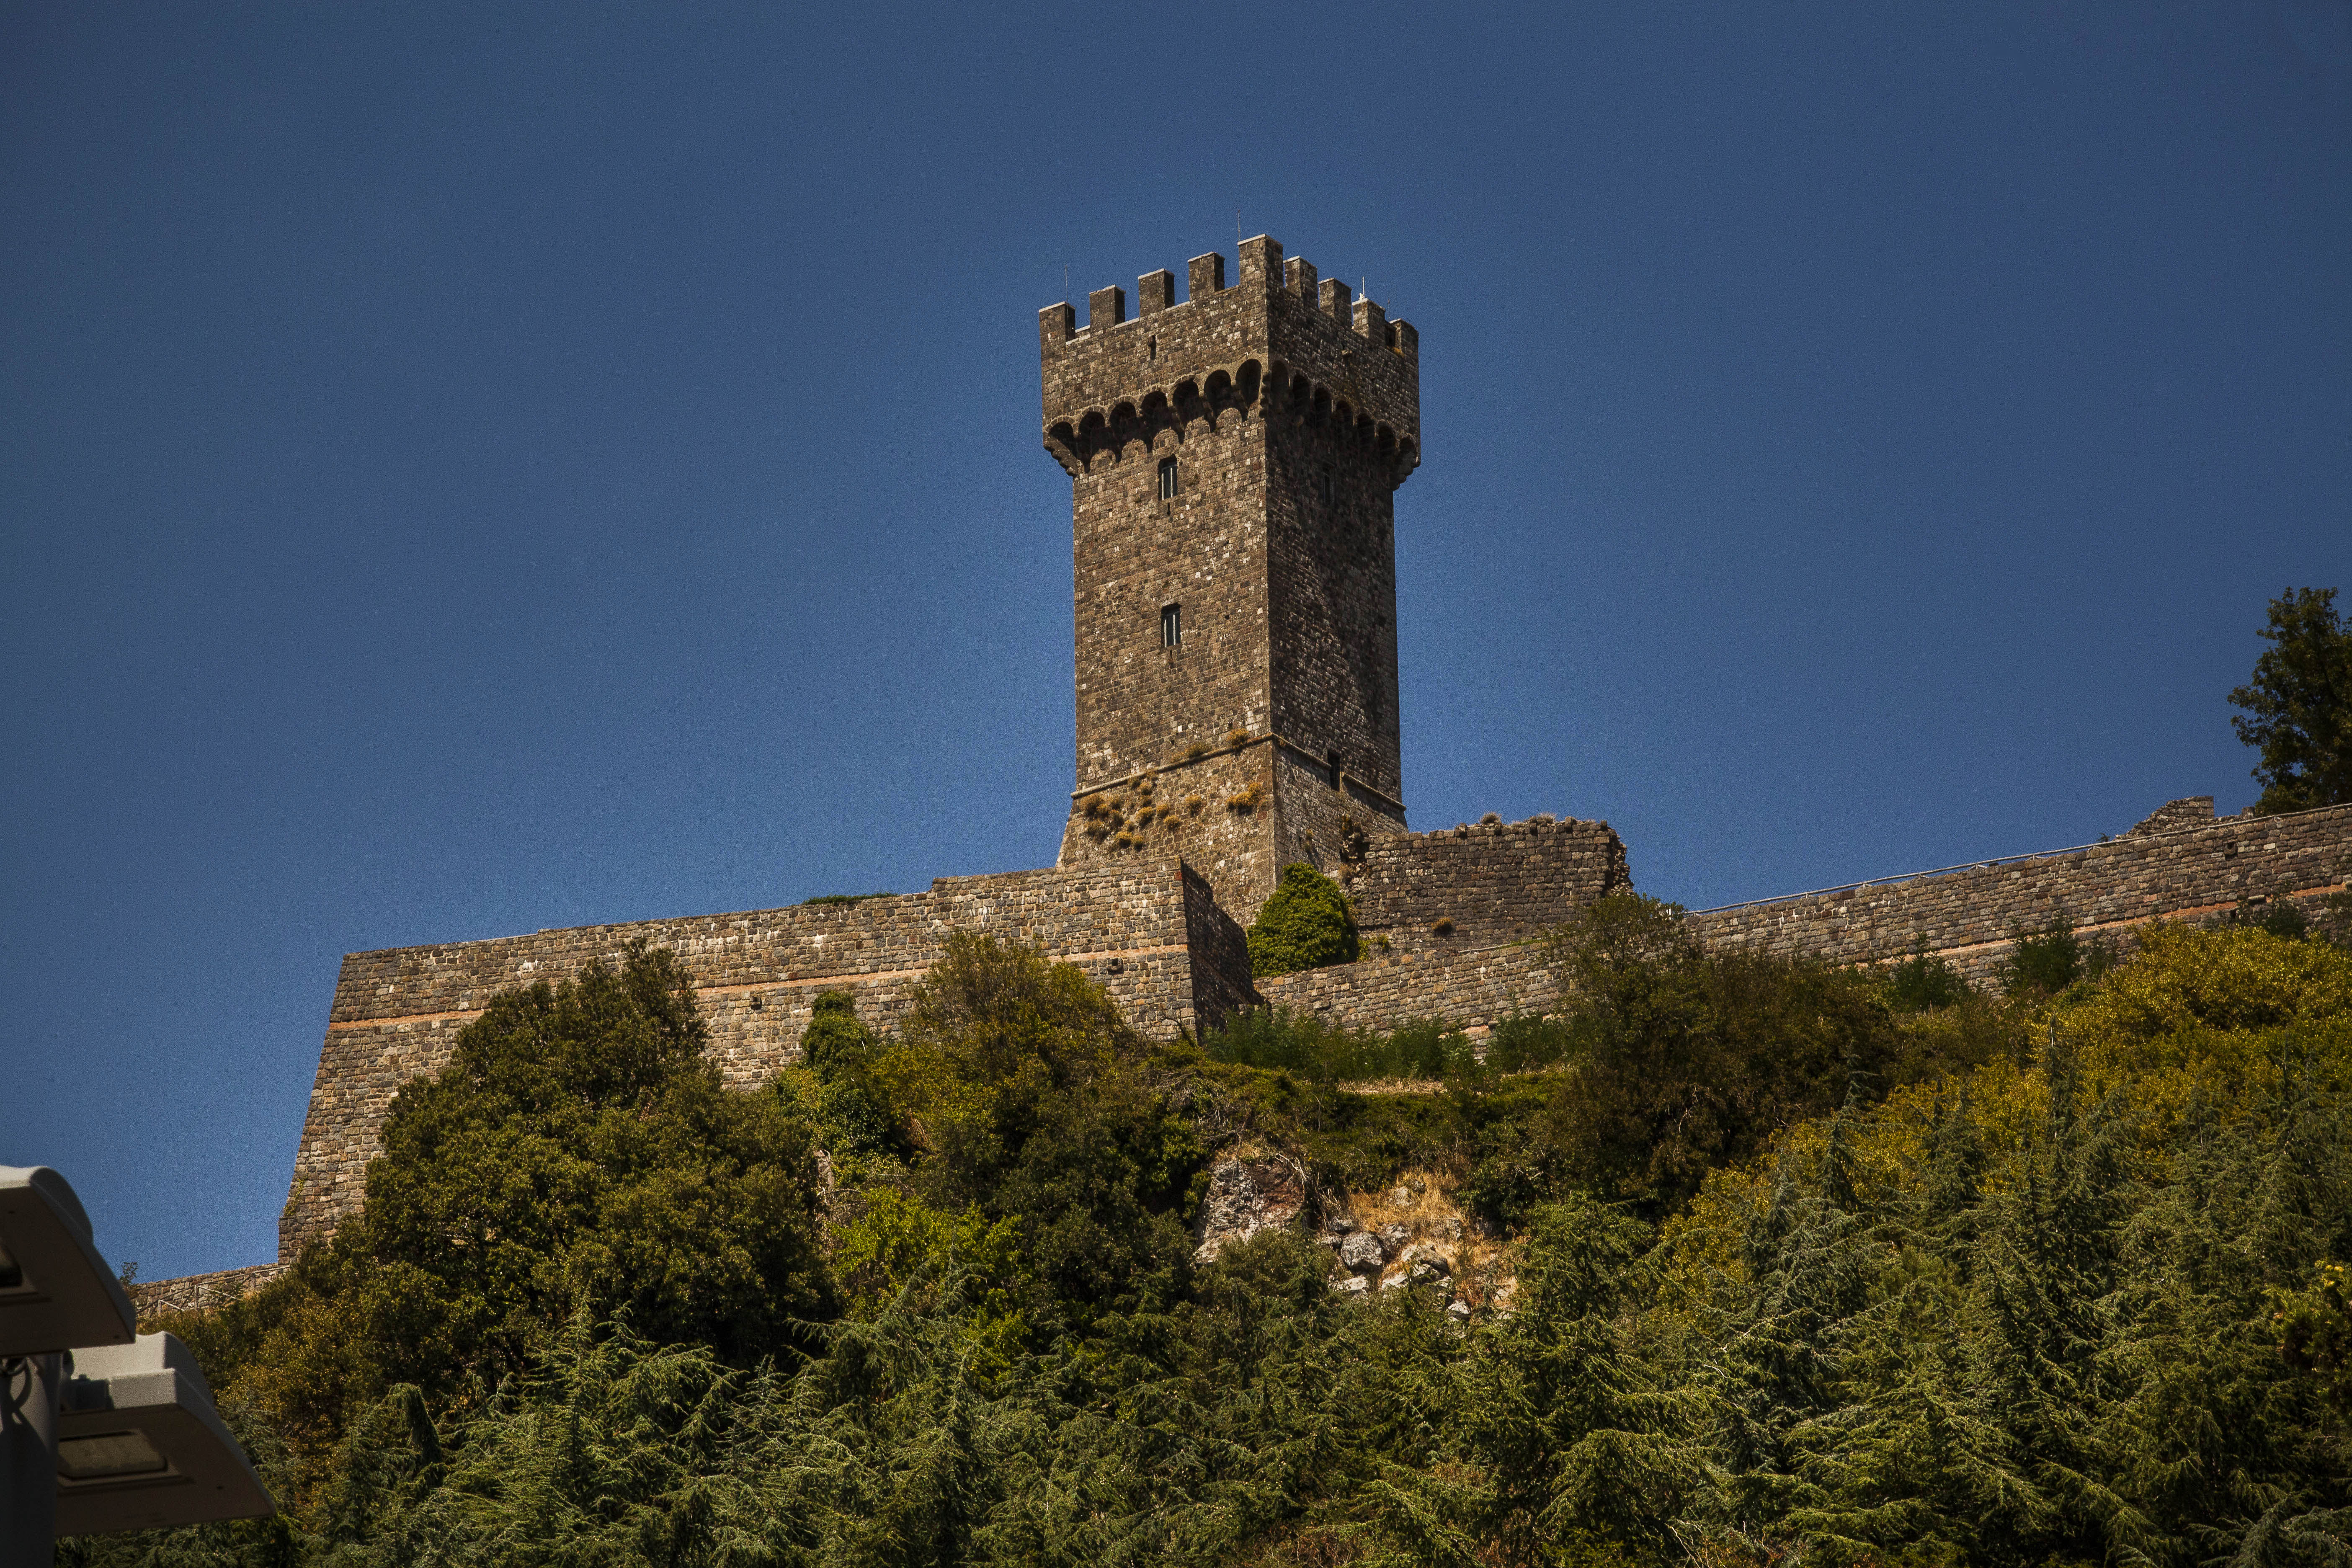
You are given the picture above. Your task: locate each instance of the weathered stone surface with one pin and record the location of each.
(1150, 933)
(155, 1297)
(1487, 883)
(1248, 1196)
(1423, 1255)
(1286, 416)
(1363, 1253)
(2179, 864)
(1471, 990)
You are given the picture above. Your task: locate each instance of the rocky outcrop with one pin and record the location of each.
(1248, 1193)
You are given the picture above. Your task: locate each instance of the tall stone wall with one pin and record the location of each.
(1134, 929)
(2180, 864)
(1472, 990)
(1491, 882)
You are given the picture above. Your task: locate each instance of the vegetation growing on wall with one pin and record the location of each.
(2021, 1281)
(1307, 924)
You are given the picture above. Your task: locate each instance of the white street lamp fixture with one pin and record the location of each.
(140, 1444)
(128, 1437)
(56, 1292)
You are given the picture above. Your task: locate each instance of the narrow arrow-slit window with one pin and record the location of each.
(1171, 626)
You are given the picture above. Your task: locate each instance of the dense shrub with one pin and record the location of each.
(1307, 924)
(849, 1098)
(578, 1153)
(2046, 962)
(1924, 982)
(1037, 1107)
(1686, 1059)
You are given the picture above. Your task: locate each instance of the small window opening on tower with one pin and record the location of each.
(1171, 626)
(1329, 486)
(1334, 760)
(1167, 479)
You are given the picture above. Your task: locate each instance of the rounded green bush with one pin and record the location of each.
(1306, 925)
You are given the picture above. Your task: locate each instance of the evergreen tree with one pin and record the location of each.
(2300, 704)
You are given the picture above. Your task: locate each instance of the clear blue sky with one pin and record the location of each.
(471, 470)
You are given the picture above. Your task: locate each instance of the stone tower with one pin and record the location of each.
(1233, 460)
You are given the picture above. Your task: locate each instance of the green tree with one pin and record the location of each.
(1306, 925)
(1923, 981)
(1686, 1059)
(2044, 963)
(1037, 1105)
(2300, 701)
(855, 1108)
(579, 1151)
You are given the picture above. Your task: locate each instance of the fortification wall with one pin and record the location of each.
(2179, 864)
(1495, 881)
(153, 1299)
(396, 1012)
(1470, 990)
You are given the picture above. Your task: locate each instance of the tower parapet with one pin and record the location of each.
(1232, 459)
(1279, 341)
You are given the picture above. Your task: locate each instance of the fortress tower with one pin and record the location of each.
(1232, 462)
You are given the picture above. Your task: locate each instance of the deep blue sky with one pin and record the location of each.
(473, 470)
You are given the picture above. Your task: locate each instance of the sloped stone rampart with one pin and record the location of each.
(2178, 865)
(1491, 882)
(396, 1012)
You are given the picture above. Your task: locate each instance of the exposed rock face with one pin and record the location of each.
(1247, 1195)
(1362, 1253)
(1422, 1258)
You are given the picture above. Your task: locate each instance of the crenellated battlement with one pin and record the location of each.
(1280, 344)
